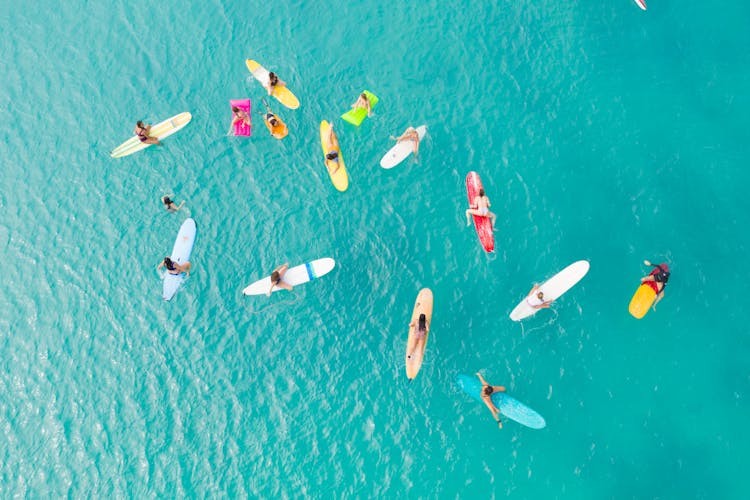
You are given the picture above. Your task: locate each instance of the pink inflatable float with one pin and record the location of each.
(241, 128)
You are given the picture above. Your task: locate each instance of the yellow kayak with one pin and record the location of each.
(161, 131)
(281, 93)
(415, 356)
(642, 300)
(339, 178)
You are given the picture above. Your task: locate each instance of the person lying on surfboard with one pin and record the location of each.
(170, 205)
(364, 103)
(486, 393)
(240, 116)
(480, 207)
(143, 131)
(273, 81)
(420, 335)
(658, 278)
(537, 300)
(410, 134)
(174, 267)
(333, 154)
(276, 276)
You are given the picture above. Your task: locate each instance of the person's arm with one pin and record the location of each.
(161, 264)
(181, 204)
(278, 269)
(186, 268)
(268, 293)
(484, 382)
(659, 296)
(533, 289)
(498, 388)
(369, 108)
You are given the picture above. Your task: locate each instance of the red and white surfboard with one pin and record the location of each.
(641, 4)
(482, 224)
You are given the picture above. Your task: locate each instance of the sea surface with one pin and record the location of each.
(601, 132)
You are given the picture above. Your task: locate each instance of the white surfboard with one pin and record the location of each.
(294, 276)
(401, 150)
(183, 246)
(553, 288)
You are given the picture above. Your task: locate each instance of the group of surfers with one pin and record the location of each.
(656, 279)
(480, 207)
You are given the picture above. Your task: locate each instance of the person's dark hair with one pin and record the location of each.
(422, 322)
(235, 109)
(275, 278)
(168, 262)
(167, 201)
(487, 390)
(363, 95)
(481, 191)
(332, 155)
(540, 295)
(272, 78)
(139, 123)
(273, 121)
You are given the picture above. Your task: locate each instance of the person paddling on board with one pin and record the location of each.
(536, 300)
(410, 134)
(143, 131)
(420, 335)
(364, 103)
(276, 276)
(657, 279)
(273, 81)
(332, 156)
(487, 391)
(174, 267)
(170, 205)
(274, 123)
(480, 207)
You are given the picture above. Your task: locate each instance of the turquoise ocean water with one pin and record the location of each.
(601, 132)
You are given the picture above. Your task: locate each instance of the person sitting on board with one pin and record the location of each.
(174, 267)
(332, 155)
(410, 134)
(364, 103)
(537, 300)
(487, 391)
(421, 333)
(239, 115)
(659, 277)
(142, 132)
(276, 276)
(480, 207)
(273, 81)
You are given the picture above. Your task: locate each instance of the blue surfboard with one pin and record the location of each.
(508, 406)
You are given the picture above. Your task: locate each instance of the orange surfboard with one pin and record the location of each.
(642, 301)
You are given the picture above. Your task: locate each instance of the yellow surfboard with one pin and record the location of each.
(339, 177)
(642, 301)
(281, 93)
(415, 353)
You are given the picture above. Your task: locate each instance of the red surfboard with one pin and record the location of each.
(641, 4)
(482, 224)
